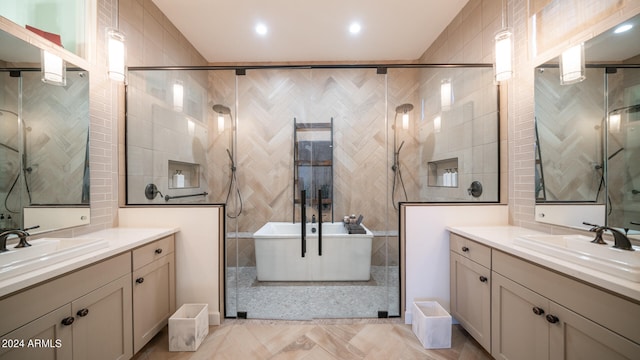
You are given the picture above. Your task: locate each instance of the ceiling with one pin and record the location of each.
(612, 47)
(223, 31)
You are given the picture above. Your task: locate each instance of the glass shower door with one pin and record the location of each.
(309, 130)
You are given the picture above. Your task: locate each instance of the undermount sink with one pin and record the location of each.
(578, 249)
(44, 252)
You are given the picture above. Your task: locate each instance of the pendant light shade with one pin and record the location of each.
(178, 96)
(53, 69)
(446, 95)
(221, 123)
(614, 123)
(503, 51)
(572, 65)
(116, 54)
(405, 121)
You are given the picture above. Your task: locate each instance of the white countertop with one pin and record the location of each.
(120, 240)
(502, 238)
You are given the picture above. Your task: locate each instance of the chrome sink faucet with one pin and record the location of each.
(621, 241)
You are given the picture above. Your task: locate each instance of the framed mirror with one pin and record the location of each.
(44, 142)
(584, 161)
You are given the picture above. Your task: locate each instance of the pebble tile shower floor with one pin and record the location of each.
(313, 300)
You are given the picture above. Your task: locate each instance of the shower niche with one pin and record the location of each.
(313, 166)
(183, 175)
(443, 173)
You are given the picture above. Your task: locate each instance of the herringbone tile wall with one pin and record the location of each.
(56, 135)
(268, 101)
(570, 124)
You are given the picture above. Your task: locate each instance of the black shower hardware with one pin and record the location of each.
(233, 181)
(25, 169)
(221, 109)
(303, 222)
(169, 197)
(397, 173)
(151, 191)
(475, 189)
(320, 222)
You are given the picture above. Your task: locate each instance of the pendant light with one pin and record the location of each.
(503, 67)
(116, 53)
(116, 50)
(446, 95)
(178, 96)
(572, 65)
(53, 69)
(614, 123)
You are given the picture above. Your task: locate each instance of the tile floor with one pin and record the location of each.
(315, 339)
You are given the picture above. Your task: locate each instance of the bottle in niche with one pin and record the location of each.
(178, 179)
(447, 177)
(454, 177)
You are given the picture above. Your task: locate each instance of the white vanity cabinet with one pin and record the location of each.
(85, 314)
(471, 287)
(540, 314)
(154, 295)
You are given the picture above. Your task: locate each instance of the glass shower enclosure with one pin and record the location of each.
(292, 151)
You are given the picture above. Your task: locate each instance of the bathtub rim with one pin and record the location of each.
(261, 233)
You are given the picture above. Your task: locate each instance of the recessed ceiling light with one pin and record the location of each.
(354, 28)
(261, 29)
(623, 28)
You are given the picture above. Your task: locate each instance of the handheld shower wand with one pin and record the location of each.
(397, 173)
(233, 181)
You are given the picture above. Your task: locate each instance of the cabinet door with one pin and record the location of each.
(102, 329)
(519, 328)
(44, 338)
(575, 337)
(153, 299)
(471, 298)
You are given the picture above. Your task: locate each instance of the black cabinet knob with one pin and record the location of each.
(538, 311)
(140, 280)
(67, 321)
(465, 249)
(483, 279)
(159, 251)
(83, 312)
(552, 319)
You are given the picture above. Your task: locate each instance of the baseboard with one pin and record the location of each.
(214, 318)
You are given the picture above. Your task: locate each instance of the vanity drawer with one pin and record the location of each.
(152, 251)
(471, 250)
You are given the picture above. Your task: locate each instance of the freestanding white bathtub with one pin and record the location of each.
(345, 257)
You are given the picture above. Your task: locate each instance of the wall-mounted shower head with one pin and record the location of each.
(221, 109)
(404, 108)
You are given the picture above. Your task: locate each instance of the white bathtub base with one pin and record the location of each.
(344, 257)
